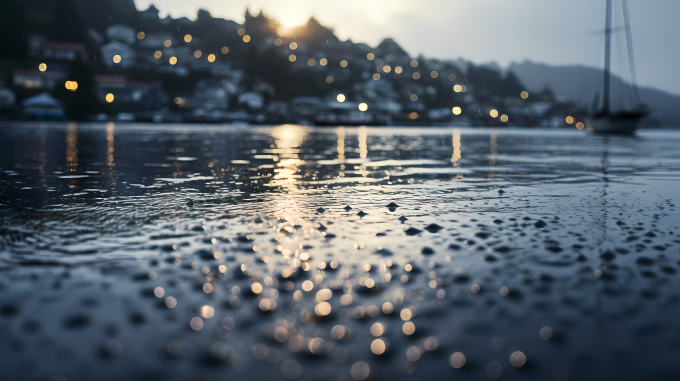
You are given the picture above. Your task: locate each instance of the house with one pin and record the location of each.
(150, 13)
(64, 51)
(123, 33)
(156, 40)
(115, 48)
(130, 95)
(43, 107)
(7, 98)
(29, 79)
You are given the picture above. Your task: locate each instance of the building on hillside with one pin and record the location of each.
(64, 51)
(130, 95)
(37, 80)
(156, 40)
(122, 33)
(150, 13)
(42, 107)
(7, 99)
(113, 49)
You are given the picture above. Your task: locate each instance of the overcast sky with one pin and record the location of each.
(548, 31)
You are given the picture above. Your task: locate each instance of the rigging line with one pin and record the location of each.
(631, 57)
(607, 56)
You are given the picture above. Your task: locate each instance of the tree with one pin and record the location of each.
(12, 30)
(67, 23)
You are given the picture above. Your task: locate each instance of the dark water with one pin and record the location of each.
(292, 252)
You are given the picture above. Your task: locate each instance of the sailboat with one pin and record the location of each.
(606, 121)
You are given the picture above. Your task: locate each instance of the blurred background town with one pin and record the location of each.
(106, 60)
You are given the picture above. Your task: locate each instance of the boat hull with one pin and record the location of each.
(620, 123)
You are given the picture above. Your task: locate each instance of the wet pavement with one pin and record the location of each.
(182, 252)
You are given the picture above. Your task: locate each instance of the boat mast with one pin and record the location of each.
(631, 57)
(607, 54)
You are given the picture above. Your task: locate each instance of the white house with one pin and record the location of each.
(113, 49)
(123, 33)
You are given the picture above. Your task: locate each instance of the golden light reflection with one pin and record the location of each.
(288, 140)
(378, 346)
(363, 146)
(493, 145)
(71, 147)
(110, 127)
(341, 143)
(456, 147)
(43, 153)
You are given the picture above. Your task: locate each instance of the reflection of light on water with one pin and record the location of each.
(109, 151)
(286, 175)
(71, 147)
(456, 148)
(493, 146)
(363, 147)
(341, 143)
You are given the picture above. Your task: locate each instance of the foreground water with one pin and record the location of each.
(204, 253)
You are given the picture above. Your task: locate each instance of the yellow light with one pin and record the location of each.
(241, 32)
(225, 50)
(463, 88)
(504, 118)
(158, 54)
(173, 60)
(434, 74)
(187, 38)
(580, 125)
(414, 63)
(278, 42)
(363, 107)
(493, 113)
(570, 120)
(524, 95)
(416, 75)
(329, 79)
(116, 58)
(341, 98)
(343, 63)
(413, 115)
(211, 58)
(378, 346)
(246, 38)
(311, 62)
(456, 110)
(398, 69)
(42, 67)
(387, 68)
(292, 58)
(323, 62)
(71, 85)
(198, 54)
(370, 56)
(376, 76)
(68, 85)
(457, 88)
(109, 97)
(167, 43)
(141, 35)
(293, 45)
(414, 97)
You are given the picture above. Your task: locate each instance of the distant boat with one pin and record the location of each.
(605, 121)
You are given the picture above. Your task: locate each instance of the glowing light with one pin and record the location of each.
(71, 85)
(377, 329)
(457, 360)
(414, 63)
(116, 58)
(323, 62)
(378, 347)
(292, 58)
(376, 76)
(346, 300)
(196, 323)
(159, 292)
(198, 54)
(517, 359)
(42, 67)
(431, 343)
(329, 79)
(370, 56)
(434, 74)
(241, 32)
(158, 54)
(343, 63)
(387, 307)
(475, 288)
(322, 309)
(457, 88)
(307, 285)
(387, 68)
(408, 328)
(405, 314)
(414, 97)
(493, 113)
(170, 302)
(173, 60)
(211, 58)
(293, 45)
(363, 107)
(207, 312)
(167, 43)
(569, 120)
(452, 77)
(524, 95)
(504, 118)
(413, 115)
(545, 333)
(413, 353)
(109, 97)
(256, 288)
(580, 125)
(141, 35)
(188, 38)
(224, 50)
(456, 110)
(360, 370)
(311, 62)
(341, 98)
(278, 42)
(246, 38)
(503, 291)
(416, 75)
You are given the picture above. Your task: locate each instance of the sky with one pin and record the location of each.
(556, 32)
